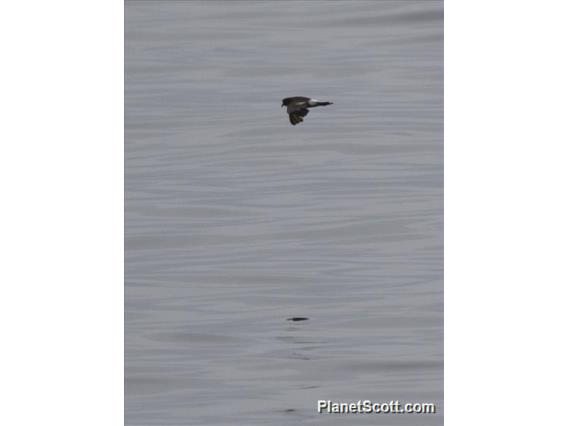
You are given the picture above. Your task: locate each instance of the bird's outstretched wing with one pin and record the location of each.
(296, 116)
(296, 104)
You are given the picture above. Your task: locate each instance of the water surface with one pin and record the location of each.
(236, 220)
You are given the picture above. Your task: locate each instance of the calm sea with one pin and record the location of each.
(236, 220)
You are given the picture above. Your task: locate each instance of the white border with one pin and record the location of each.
(506, 210)
(61, 177)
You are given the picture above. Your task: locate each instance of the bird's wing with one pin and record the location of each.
(296, 105)
(296, 116)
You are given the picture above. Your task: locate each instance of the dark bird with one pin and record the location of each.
(297, 107)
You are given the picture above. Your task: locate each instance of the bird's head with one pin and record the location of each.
(285, 102)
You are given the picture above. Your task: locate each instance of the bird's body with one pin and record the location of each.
(297, 107)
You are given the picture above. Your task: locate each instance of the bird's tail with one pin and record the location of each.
(324, 103)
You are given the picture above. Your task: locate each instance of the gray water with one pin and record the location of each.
(236, 220)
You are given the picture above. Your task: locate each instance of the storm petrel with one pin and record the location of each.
(297, 107)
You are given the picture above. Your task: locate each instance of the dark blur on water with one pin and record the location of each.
(235, 220)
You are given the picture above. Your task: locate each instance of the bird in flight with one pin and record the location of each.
(297, 107)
